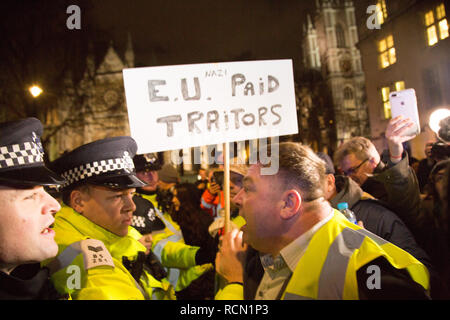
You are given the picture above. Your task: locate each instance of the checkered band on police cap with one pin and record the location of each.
(106, 162)
(25, 153)
(96, 168)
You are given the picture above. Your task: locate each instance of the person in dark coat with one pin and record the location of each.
(425, 166)
(433, 223)
(256, 206)
(395, 182)
(373, 214)
(194, 225)
(377, 218)
(26, 215)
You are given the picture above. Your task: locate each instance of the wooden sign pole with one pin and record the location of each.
(226, 184)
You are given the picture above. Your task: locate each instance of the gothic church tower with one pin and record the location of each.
(329, 46)
(95, 107)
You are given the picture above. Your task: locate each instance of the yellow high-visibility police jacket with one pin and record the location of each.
(89, 262)
(328, 268)
(179, 258)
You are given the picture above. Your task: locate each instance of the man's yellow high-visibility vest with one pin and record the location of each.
(328, 268)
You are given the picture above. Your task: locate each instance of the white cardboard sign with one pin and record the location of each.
(176, 107)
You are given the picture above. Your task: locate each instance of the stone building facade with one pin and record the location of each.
(410, 49)
(330, 38)
(95, 107)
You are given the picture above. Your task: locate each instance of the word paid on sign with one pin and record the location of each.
(176, 107)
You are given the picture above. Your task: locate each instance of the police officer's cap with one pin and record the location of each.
(144, 218)
(22, 156)
(147, 162)
(107, 162)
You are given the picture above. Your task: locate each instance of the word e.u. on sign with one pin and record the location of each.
(176, 107)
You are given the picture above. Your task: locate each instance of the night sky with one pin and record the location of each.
(166, 32)
(210, 31)
(207, 31)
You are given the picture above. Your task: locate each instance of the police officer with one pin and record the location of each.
(26, 237)
(145, 219)
(100, 256)
(184, 263)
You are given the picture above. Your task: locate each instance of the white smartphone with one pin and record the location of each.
(405, 103)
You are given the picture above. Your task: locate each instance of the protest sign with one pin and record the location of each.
(176, 107)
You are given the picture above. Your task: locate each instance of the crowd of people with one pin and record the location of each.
(102, 222)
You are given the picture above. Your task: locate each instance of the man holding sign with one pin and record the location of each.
(205, 104)
(307, 249)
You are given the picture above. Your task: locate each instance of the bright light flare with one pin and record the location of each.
(436, 117)
(35, 91)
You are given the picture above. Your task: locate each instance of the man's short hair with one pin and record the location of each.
(329, 166)
(361, 147)
(300, 167)
(67, 192)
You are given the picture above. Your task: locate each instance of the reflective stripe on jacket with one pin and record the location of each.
(328, 268)
(177, 257)
(212, 204)
(70, 272)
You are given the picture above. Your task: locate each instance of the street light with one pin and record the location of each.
(35, 91)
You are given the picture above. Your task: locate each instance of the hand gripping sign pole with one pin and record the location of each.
(178, 107)
(183, 106)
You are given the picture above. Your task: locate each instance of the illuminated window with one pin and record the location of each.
(440, 11)
(381, 11)
(386, 104)
(436, 24)
(387, 52)
(443, 29)
(385, 91)
(400, 85)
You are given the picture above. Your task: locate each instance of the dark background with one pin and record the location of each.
(38, 48)
(177, 32)
(164, 32)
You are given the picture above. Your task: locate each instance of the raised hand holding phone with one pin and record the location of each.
(405, 124)
(404, 103)
(396, 133)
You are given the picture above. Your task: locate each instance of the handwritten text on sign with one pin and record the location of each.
(176, 107)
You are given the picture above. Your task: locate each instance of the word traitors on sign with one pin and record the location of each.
(176, 107)
(214, 121)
